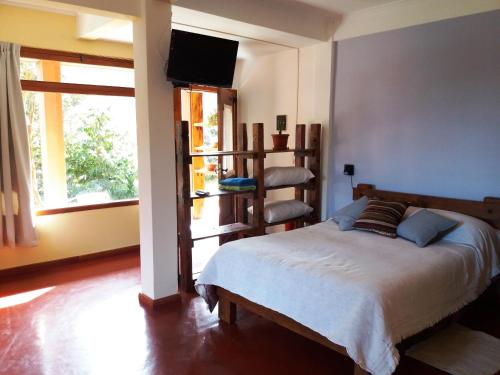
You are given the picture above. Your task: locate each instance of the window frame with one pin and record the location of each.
(78, 88)
(86, 207)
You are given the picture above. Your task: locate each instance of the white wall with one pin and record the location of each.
(417, 110)
(156, 155)
(296, 82)
(267, 86)
(315, 87)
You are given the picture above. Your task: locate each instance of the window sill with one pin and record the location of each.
(86, 207)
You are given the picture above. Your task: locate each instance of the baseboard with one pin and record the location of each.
(153, 304)
(43, 266)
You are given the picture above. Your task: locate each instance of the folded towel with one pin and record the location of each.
(236, 188)
(238, 181)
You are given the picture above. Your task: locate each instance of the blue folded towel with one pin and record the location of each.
(238, 181)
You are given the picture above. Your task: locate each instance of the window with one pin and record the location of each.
(80, 112)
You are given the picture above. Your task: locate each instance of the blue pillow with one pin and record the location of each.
(424, 226)
(347, 216)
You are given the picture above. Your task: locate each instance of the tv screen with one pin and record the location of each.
(201, 59)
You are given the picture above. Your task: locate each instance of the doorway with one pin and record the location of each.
(212, 117)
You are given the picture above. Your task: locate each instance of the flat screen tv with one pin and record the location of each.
(201, 59)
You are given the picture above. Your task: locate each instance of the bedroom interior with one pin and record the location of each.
(152, 222)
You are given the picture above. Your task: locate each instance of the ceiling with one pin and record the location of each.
(267, 26)
(333, 6)
(344, 6)
(122, 31)
(254, 40)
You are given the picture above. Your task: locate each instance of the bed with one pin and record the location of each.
(357, 293)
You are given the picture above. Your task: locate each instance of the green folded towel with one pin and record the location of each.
(236, 188)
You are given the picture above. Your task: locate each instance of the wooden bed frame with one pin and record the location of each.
(487, 210)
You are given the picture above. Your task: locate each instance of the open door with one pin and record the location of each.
(227, 116)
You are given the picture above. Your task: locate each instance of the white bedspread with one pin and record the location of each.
(360, 290)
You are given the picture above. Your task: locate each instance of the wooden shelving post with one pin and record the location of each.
(258, 174)
(314, 195)
(184, 202)
(241, 171)
(300, 144)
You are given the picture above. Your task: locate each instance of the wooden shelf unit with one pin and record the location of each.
(241, 199)
(312, 152)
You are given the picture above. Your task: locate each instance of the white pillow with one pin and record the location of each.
(283, 210)
(276, 176)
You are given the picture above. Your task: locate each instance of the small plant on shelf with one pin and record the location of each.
(280, 140)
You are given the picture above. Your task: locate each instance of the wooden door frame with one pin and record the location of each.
(221, 92)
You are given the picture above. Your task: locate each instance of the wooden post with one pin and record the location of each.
(258, 174)
(241, 171)
(227, 310)
(314, 195)
(184, 202)
(357, 192)
(359, 371)
(300, 144)
(241, 145)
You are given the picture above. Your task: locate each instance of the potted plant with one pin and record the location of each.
(280, 141)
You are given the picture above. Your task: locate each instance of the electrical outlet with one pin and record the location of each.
(281, 122)
(349, 169)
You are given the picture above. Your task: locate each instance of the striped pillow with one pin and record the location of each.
(381, 217)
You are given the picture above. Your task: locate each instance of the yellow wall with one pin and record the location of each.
(77, 233)
(33, 28)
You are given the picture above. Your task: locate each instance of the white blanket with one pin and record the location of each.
(360, 290)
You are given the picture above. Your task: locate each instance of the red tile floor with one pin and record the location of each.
(86, 319)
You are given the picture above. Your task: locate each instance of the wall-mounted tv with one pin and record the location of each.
(201, 59)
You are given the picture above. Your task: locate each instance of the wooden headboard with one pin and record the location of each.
(487, 210)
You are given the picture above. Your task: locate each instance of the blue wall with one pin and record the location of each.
(418, 110)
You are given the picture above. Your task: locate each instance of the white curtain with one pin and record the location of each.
(16, 220)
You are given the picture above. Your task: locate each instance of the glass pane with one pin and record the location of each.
(100, 147)
(97, 75)
(31, 69)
